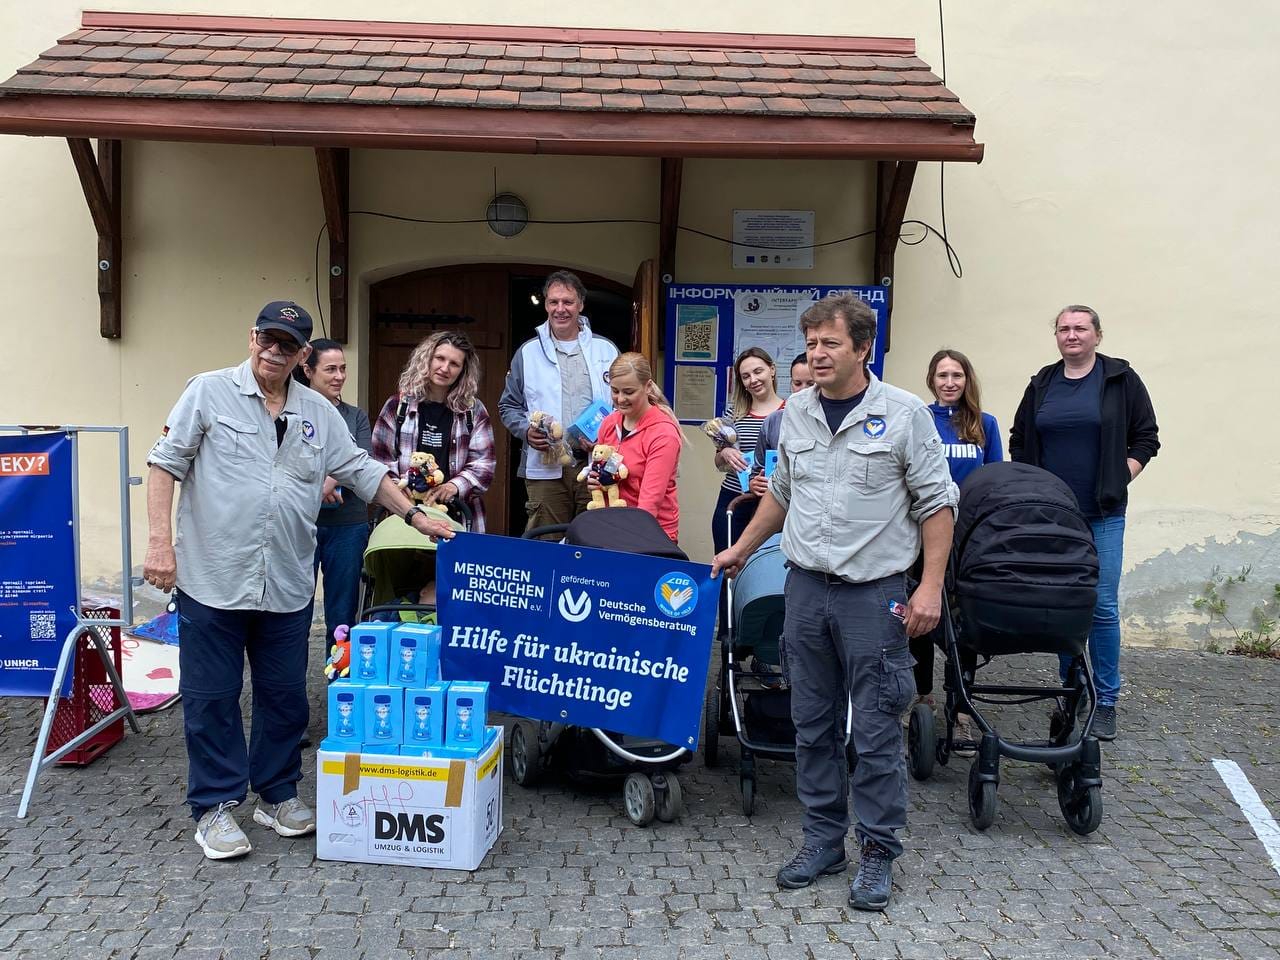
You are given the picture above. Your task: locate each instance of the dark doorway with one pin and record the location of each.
(494, 304)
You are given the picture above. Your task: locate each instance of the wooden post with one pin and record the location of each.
(668, 234)
(893, 190)
(100, 179)
(333, 164)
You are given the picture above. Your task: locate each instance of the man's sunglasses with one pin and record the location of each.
(266, 341)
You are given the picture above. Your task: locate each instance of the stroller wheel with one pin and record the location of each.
(526, 753)
(670, 799)
(982, 799)
(922, 742)
(748, 795)
(711, 727)
(1081, 806)
(638, 799)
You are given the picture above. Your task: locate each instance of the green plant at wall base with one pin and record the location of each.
(1262, 639)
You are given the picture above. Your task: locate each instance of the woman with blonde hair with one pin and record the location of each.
(644, 430)
(435, 410)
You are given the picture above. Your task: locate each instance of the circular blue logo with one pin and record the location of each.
(676, 595)
(873, 427)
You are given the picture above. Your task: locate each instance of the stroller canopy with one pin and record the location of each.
(400, 560)
(759, 604)
(626, 529)
(1024, 559)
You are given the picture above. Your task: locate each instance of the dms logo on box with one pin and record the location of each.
(676, 595)
(409, 827)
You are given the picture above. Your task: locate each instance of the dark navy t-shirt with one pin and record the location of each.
(1069, 425)
(837, 410)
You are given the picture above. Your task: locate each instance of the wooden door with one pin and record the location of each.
(471, 299)
(644, 313)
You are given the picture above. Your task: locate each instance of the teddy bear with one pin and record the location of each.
(338, 666)
(606, 463)
(423, 474)
(558, 451)
(721, 432)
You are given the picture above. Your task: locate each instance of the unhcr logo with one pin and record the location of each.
(574, 609)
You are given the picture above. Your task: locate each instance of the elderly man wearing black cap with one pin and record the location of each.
(251, 447)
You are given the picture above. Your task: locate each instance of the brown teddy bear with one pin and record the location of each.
(721, 432)
(423, 474)
(606, 463)
(558, 451)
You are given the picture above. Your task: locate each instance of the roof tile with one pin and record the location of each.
(681, 86)
(72, 84)
(375, 48)
(907, 108)
(445, 49)
(68, 67)
(386, 63)
(373, 94)
(228, 56)
(348, 61)
(308, 59)
(104, 53)
(241, 71)
(334, 45)
(621, 101)
(278, 74)
(539, 98)
(485, 50)
(201, 88)
(319, 75)
(358, 77)
(498, 98)
(658, 71)
(411, 48)
(245, 90)
(663, 101)
(110, 68)
(950, 108)
(195, 71)
(560, 53)
(156, 87)
(672, 56)
(580, 69)
(425, 63)
(330, 91)
(464, 65)
(400, 78)
(708, 56)
(703, 104)
(480, 81)
(287, 91)
(695, 72)
(185, 55)
(521, 83)
(796, 89)
(503, 66)
(602, 54)
(144, 38)
(635, 55)
(260, 43)
(526, 51)
(601, 84)
(269, 58)
(619, 70)
(544, 67)
(581, 101)
(565, 84)
(298, 43)
(456, 97)
(785, 105)
(414, 95)
(760, 89)
(819, 60)
(183, 39)
(744, 59)
(145, 70)
(107, 36)
(220, 41)
(27, 81)
(745, 104)
(641, 85)
(114, 85)
(721, 87)
(827, 106)
(871, 91)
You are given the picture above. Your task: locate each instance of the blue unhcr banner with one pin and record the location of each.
(37, 561)
(570, 634)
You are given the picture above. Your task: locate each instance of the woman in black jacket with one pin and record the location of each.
(1088, 419)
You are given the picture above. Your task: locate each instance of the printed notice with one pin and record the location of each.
(697, 327)
(695, 393)
(773, 239)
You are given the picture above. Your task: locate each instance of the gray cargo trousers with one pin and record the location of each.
(841, 636)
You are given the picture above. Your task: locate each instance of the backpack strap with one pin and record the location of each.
(402, 412)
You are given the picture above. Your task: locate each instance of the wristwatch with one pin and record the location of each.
(408, 516)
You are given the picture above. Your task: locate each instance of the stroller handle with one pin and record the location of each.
(537, 533)
(738, 501)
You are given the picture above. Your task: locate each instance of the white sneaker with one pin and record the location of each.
(218, 834)
(289, 818)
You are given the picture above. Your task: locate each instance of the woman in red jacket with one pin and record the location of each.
(644, 429)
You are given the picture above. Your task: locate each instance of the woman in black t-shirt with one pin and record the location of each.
(436, 411)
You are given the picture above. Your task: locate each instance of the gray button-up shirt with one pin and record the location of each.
(855, 500)
(246, 524)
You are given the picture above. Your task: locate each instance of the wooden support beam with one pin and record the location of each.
(333, 164)
(893, 190)
(669, 216)
(100, 178)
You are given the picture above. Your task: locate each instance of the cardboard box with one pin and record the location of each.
(383, 714)
(346, 714)
(438, 752)
(424, 709)
(370, 643)
(409, 811)
(464, 720)
(415, 655)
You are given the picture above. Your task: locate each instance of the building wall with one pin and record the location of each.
(1115, 176)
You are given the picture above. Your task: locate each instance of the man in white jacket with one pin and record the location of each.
(562, 370)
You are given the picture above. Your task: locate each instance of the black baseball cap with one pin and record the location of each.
(287, 317)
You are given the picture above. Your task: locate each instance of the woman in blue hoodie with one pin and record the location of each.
(970, 438)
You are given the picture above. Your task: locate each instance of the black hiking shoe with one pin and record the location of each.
(873, 884)
(811, 862)
(1104, 722)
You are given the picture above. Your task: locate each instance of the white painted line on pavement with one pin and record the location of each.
(1255, 811)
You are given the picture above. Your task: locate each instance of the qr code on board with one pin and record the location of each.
(44, 626)
(696, 339)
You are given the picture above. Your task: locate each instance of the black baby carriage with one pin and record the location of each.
(751, 697)
(646, 767)
(1023, 579)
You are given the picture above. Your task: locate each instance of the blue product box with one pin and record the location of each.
(383, 714)
(370, 643)
(415, 655)
(770, 462)
(381, 749)
(464, 721)
(346, 714)
(452, 753)
(744, 476)
(587, 427)
(339, 746)
(424, 709)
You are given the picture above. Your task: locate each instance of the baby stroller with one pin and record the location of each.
(752, 690)
(398, 562)
(646, 767)
(1023, 579)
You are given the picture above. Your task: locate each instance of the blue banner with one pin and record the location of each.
(570, 634)
(37, 561)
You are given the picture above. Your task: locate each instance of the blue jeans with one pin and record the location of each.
(211, 659)
(340, 552)
(1104, 638)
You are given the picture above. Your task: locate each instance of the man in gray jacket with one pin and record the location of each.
(562, 371)
(860, 484)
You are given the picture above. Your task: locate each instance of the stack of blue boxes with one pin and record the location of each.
(395, 703)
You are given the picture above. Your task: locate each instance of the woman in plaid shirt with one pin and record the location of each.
(439, 413)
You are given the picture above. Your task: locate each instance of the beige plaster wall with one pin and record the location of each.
(1122, 170)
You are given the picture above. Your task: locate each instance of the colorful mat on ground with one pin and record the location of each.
(150, 672)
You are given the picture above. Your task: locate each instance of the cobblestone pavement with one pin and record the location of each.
(105, 866)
